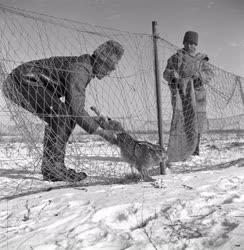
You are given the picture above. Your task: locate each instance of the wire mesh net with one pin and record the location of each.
(127, 95)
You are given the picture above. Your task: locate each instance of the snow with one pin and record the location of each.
(199, 205)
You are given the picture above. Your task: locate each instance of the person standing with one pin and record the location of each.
(187, 72)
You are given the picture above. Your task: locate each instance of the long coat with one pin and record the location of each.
(188, 96)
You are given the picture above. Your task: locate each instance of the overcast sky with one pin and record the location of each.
(219, 22)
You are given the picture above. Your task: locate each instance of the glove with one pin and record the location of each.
(115, 125)
(197, 80)
(103, 122)
(175, 77)
(109, 124)
(196, 75)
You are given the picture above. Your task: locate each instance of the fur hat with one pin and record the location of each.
(191, 36)
(109, 52)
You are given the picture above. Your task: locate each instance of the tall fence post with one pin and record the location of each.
(158, 91)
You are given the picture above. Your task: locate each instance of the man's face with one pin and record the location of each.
(104, 69)
(190, 47)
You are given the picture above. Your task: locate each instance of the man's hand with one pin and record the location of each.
(196, 75)
(100, 119)
(103, 122)
(175, 76)
(106, 122)
(175, 80)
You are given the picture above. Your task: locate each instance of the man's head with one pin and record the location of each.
(107, 56)
(190, 41)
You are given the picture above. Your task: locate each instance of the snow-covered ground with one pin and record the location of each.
(199, 205)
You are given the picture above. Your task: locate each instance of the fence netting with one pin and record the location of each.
(126, 95)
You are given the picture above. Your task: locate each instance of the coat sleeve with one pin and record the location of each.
(79, 78)
(206, 72)
(171, 68)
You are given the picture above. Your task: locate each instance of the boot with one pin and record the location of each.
(61, 173)
(55, 138)
(196, 152)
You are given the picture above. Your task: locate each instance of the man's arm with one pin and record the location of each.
(79, 77)
(170, 73)
(206, 72)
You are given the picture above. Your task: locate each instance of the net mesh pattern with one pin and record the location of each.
(127, 95)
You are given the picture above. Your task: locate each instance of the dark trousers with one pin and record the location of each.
(42, 102)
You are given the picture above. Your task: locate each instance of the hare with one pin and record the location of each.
(140, 154)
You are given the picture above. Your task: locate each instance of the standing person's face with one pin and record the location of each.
(190, 47)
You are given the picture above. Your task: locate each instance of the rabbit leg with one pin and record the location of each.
(144, 174)
(132, 169)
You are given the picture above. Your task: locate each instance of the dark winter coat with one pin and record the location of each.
(65, 77)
